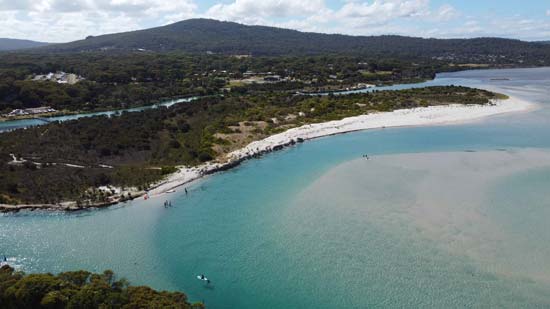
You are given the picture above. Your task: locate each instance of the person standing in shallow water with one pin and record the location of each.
(185, 191)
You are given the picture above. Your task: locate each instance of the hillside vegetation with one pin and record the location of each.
(15, 44)
(205, 35)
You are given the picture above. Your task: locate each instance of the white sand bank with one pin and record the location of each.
(421, 116)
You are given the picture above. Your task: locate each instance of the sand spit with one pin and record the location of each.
(433, 115)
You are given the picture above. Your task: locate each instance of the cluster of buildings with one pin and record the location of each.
(31, 111)
(59, 77)
(267, 77)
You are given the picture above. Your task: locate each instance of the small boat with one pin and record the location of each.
(171, 191)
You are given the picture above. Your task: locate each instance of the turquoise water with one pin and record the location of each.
(263, 243)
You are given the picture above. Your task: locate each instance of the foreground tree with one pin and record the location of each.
(81, 289)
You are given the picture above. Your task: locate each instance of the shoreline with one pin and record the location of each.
(421, 116)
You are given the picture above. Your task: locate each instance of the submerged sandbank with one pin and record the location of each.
(467, 204)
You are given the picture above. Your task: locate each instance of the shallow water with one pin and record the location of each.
(407, 240)
(271, 234)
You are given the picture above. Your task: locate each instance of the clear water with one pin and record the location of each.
(272, 233)
(399, 238)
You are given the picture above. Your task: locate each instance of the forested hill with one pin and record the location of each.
(205, 35)
(15, 44)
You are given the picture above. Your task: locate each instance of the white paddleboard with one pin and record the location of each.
(199, 277)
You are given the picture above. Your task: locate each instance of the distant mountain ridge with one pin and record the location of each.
(16, 44)
(206, 35)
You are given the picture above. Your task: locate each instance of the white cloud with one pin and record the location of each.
(384, 9)
(352, 17)
(548, 12)
(314, 15)
(446, 12)
(7, 5)
(255, 11)
(380, 11)
(62, 20)
(507, 27)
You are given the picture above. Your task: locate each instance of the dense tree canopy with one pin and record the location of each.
(203, 35)
(81, 289)
(121, 80)
(114, 81)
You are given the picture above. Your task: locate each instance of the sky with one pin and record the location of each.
(69, 20)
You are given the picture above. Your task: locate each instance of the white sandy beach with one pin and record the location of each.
(423, 116)
(434, 115)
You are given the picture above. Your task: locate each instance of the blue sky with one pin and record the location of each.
(66, 20)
